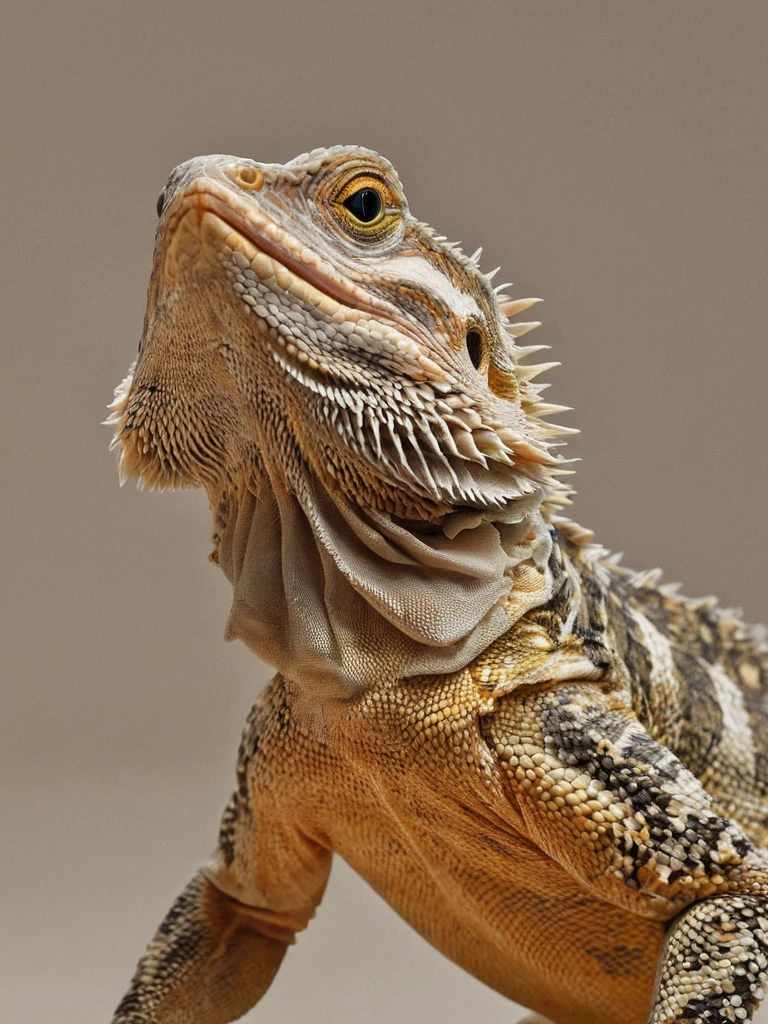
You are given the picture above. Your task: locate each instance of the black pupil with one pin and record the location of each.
(365, 204)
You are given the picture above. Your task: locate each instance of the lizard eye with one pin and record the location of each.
(365, 205)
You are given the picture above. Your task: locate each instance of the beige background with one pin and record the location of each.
(611, 156)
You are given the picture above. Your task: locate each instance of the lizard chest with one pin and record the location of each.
(421, 812)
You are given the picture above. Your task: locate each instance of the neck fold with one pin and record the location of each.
(338, 597)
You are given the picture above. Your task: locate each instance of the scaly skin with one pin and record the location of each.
(552, 767)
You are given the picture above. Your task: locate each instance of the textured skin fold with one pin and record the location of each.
(318, 585)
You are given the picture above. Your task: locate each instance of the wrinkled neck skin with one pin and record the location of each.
(339, 597)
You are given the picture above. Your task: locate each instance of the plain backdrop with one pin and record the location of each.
(610, 156)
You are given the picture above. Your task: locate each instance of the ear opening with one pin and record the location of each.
(476, 347)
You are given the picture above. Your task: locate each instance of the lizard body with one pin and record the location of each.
(552, 767)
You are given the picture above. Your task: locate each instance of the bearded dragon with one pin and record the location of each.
(553, 768)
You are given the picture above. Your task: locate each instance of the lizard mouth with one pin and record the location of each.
(212, 222)
(248, 230)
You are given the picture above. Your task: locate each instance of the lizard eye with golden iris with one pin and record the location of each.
(365, 205)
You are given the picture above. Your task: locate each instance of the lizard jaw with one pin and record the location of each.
(247, 229)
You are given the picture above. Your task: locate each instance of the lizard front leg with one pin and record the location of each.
(626, 818)
(211, 959)
(223, 940)
(714, 963)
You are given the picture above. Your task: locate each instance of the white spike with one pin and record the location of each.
(574, 531)
(490, 444)
(528, 372)
(347, 423)
(454, 471)
(647, 579)
(413, 396)
(511, 307)
(509, 437)
(445, 480)
(399, 446)
(547, 409)
(475, 257)
(361, 435)
(468, 448)
(547, 430)
(533, 453)
(492, 274)
(517, 330)
(466, 418)
(374, 423)
(420, 455)
(523, 351)
(426, 429)
(123, 473)
(447, 437)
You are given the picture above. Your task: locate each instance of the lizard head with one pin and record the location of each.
(301, 312)
(344, 383)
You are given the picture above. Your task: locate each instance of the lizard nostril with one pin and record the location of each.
(475, 347)
(161, 203)
(249, 178)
